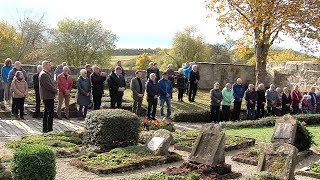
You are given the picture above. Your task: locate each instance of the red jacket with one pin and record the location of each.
(64, 83)
(296, 98)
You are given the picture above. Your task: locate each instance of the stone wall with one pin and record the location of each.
(224, 73)
(306, 74)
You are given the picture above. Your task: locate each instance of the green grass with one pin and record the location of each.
(127, 62)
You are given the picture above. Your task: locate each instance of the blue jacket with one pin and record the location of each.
(5, 72)
(237, 91)
(165, 87)
(186, 71)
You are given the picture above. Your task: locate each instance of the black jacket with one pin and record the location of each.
(114, 83)
(181, 83)
(154, 70)
(97, 82)
(286, 100)
(261, 96)
(193, 76)
(152, 89)
(250, 96)
(35, 79)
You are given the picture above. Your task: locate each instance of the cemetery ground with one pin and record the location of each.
(68, 146)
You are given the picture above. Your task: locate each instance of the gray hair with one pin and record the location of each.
(39, 68)
(152, 75)
(180, 70)
(194, 66)
(261, 86)
(45, 63)
(170, 65)
(18, 73)
(82, 71)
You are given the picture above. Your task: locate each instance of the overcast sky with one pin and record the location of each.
(137, 23)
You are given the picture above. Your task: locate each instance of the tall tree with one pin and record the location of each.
(81, 41)
(142, 61)
(263, 21)
(9, 40)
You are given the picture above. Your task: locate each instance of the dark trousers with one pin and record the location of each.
(180, 93)
(38, 102)
(285, 109)
(192, 91)
(187, 86)
(251, 113)
(82, 112)
(225, 113)
(271, 111)
(48, 115)
(17, 104)
(295, 109)
(116, 100)
(136, 108)
(236, 110)
(152, 105)
(260, 111)
(215, 113)
(97, 102)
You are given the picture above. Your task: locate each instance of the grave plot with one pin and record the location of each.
(313, 170)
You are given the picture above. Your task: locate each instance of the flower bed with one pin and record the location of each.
(122, 159)
(155, 125)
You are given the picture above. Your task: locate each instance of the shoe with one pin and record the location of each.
(16, 117)
(68, 118)
(60, 118)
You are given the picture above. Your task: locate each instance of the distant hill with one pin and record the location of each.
(132, 52)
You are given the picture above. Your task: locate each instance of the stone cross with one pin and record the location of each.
(209, 146)
(160, 142)
(285, 130)
(279, 159)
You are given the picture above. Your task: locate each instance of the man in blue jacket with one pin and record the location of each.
(165, 89)
(186, 69)
(238, 93)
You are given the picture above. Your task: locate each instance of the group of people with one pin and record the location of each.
(276, 101)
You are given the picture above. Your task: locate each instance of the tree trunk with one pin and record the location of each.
(261, 53)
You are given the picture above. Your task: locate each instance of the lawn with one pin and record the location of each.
(127, 62)
(265, 134)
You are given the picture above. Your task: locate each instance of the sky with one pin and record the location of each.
(137, 23)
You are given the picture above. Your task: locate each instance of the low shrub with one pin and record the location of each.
(110, 128)
(35, 161)
(315, 167)
(263, 176)
(193, 116)
(303, 139)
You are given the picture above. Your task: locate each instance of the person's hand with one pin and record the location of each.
(168, 95)
(251, 101)
(196, 81)
(155, 96)
(57, 91)
(67, 92)
(120, 89)
(88, 94)
(123, 88)
(103, 74)
(140, 95)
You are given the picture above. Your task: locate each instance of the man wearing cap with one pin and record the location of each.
(165, 89)
(117, 85)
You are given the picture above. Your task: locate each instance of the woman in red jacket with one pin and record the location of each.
(296, 99)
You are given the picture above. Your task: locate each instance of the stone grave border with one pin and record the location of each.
(308, 174)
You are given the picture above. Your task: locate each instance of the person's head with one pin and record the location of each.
(272, 87)
(313, 89)
(286, 90)
(39, 68)
(151, 64)
(180, 71)
(306, 97)
(83, 73)
(261, 86)
(65, 70)
(88, 67)
(296, 87)
(279, 90)
(118, 63)
(96, 69)
(19, 75)
(17, 64)
(152, 76)
(187, 64)
(170, 66)
(8, 62)
(63, 64)
(138, 74)
(251, 87)
(216, 85)
(165, 76)
(118, 70)
(194, 67)
(239, 81)
(155, 65)
(228, 86)
(46, 65)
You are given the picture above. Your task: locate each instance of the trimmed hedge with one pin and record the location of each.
(111, 128)
(193, 116)
(263, 176)
(32, 162)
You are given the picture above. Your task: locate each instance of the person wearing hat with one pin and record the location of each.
(165, 90)
(215, 102)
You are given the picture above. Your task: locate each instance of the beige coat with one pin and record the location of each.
(19, 88)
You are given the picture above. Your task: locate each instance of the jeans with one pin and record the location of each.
(314, 110)
(168, 102)
(295, 109)
(7, 91)
(96, 102)
(236, 110)
(215, 113)
(251, 113)
(48, 115)
(66, 99)
(152, 104)
(136, 108)
(225, 113)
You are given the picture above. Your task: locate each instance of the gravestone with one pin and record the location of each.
(285, 130)
(279, 159)
(209, 146)
(160, 142)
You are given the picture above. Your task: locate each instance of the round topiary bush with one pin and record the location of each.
(32, 162)
(110, 128)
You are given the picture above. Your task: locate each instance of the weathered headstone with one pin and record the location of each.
(209, 146)
(160, 142)
(285, 130)
(279, 159)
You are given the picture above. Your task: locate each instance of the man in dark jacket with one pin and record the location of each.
(238, 93)
(97, 80)
(117, 86)
(165, 89)
(261, 101)
(138, 88)
(35, 79)
(48, 92)
(215, 102)
(194, 78)
(152, 69)
(152, 96)
(251, 97)
(314, 102)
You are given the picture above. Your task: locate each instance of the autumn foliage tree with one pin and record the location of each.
(262, 21)
(142, 61)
